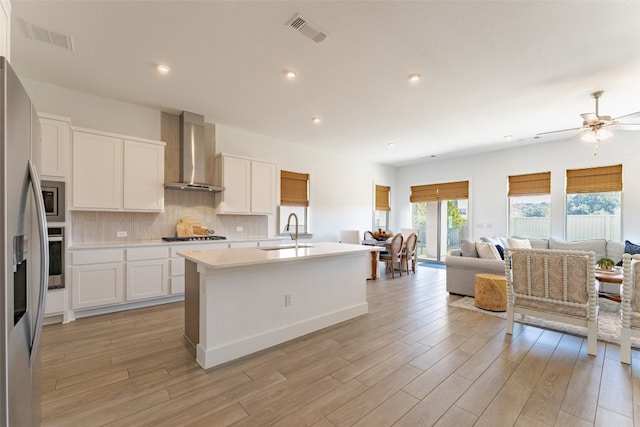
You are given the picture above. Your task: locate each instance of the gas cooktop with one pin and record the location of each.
(192, 238)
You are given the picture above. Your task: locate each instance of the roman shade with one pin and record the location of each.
(382, 198)
(294, 189)
(594, 180)
(444, 191)
(530, 184)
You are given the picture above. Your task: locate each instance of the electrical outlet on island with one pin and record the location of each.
(121, 234)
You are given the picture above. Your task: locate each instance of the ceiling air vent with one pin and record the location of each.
(307, 28)
(41, 34)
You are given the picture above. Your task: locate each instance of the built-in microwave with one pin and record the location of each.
(54, 204)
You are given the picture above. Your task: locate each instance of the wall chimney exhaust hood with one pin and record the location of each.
(192, 155)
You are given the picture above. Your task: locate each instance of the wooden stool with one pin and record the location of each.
(491, 292)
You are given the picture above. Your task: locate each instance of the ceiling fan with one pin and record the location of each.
(595, 128)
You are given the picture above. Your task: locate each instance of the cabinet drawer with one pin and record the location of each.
(97, 256)
(139, 254)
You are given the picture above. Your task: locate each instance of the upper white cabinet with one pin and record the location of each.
(116, 173)
(56, 136)
(250, 185)
(143, 176)
(263, 187)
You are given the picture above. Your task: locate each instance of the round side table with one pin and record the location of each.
(491, 292)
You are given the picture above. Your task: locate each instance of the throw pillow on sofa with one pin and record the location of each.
(519, 243)
(487, 251)
(630, 248)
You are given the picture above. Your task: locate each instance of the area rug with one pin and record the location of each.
(432, 265)
(609, 322)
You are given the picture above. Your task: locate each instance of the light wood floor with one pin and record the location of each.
(412, 361)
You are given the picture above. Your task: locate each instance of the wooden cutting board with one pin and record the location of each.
(189, 226)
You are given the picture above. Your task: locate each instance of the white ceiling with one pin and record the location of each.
(490, 68)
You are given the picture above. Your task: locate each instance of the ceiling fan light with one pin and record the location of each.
(596, 136)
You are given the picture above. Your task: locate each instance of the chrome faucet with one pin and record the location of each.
(289, 227)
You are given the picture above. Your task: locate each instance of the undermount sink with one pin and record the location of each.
(292, 246)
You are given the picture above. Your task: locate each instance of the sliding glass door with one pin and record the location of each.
(441, 225)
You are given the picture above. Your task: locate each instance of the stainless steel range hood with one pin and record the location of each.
(192, 155)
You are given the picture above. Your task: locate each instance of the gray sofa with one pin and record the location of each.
(461, 270)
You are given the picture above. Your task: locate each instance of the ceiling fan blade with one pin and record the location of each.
(590, 118)
(557, 131)
(626, 117)
(627, 126)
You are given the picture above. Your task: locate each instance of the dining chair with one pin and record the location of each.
(350, 236)
(410, 252)
(394, 255)
(406, 231)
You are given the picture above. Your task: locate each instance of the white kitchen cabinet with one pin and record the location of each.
(263, 187)
(147, 273)
(55, 303)
(250, 185)
(97, 171)
(116, 173)
(143, 176)
(97, 278)
(56, 136)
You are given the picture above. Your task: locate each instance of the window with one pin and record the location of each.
(294, 199)
(440, 214)
(594, 198)
(382, 208)
(530, 205)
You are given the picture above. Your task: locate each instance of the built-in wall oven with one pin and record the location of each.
(56, 257)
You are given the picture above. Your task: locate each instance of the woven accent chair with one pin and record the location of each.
(394, 255)
(410, 252)
(630, 304)
(556, 285)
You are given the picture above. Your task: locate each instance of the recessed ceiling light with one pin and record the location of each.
(390, 144)
(316, 120)
(415, 77)
(508, 137)
(290, 74)
(163, 69)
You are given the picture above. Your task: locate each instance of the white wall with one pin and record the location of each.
(341, 189)
(487, 175)
(94, 112)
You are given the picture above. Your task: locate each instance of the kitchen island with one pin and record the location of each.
(239, 301)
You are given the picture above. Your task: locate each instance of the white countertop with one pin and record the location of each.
(237, 257)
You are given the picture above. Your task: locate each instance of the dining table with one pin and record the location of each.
(375, 254)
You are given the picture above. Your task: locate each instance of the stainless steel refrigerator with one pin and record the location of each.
(23, 254)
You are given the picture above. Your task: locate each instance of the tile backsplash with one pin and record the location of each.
(94, 227)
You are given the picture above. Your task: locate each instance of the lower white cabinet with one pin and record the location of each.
(147, 273)
(97, 278)
(55, 302)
